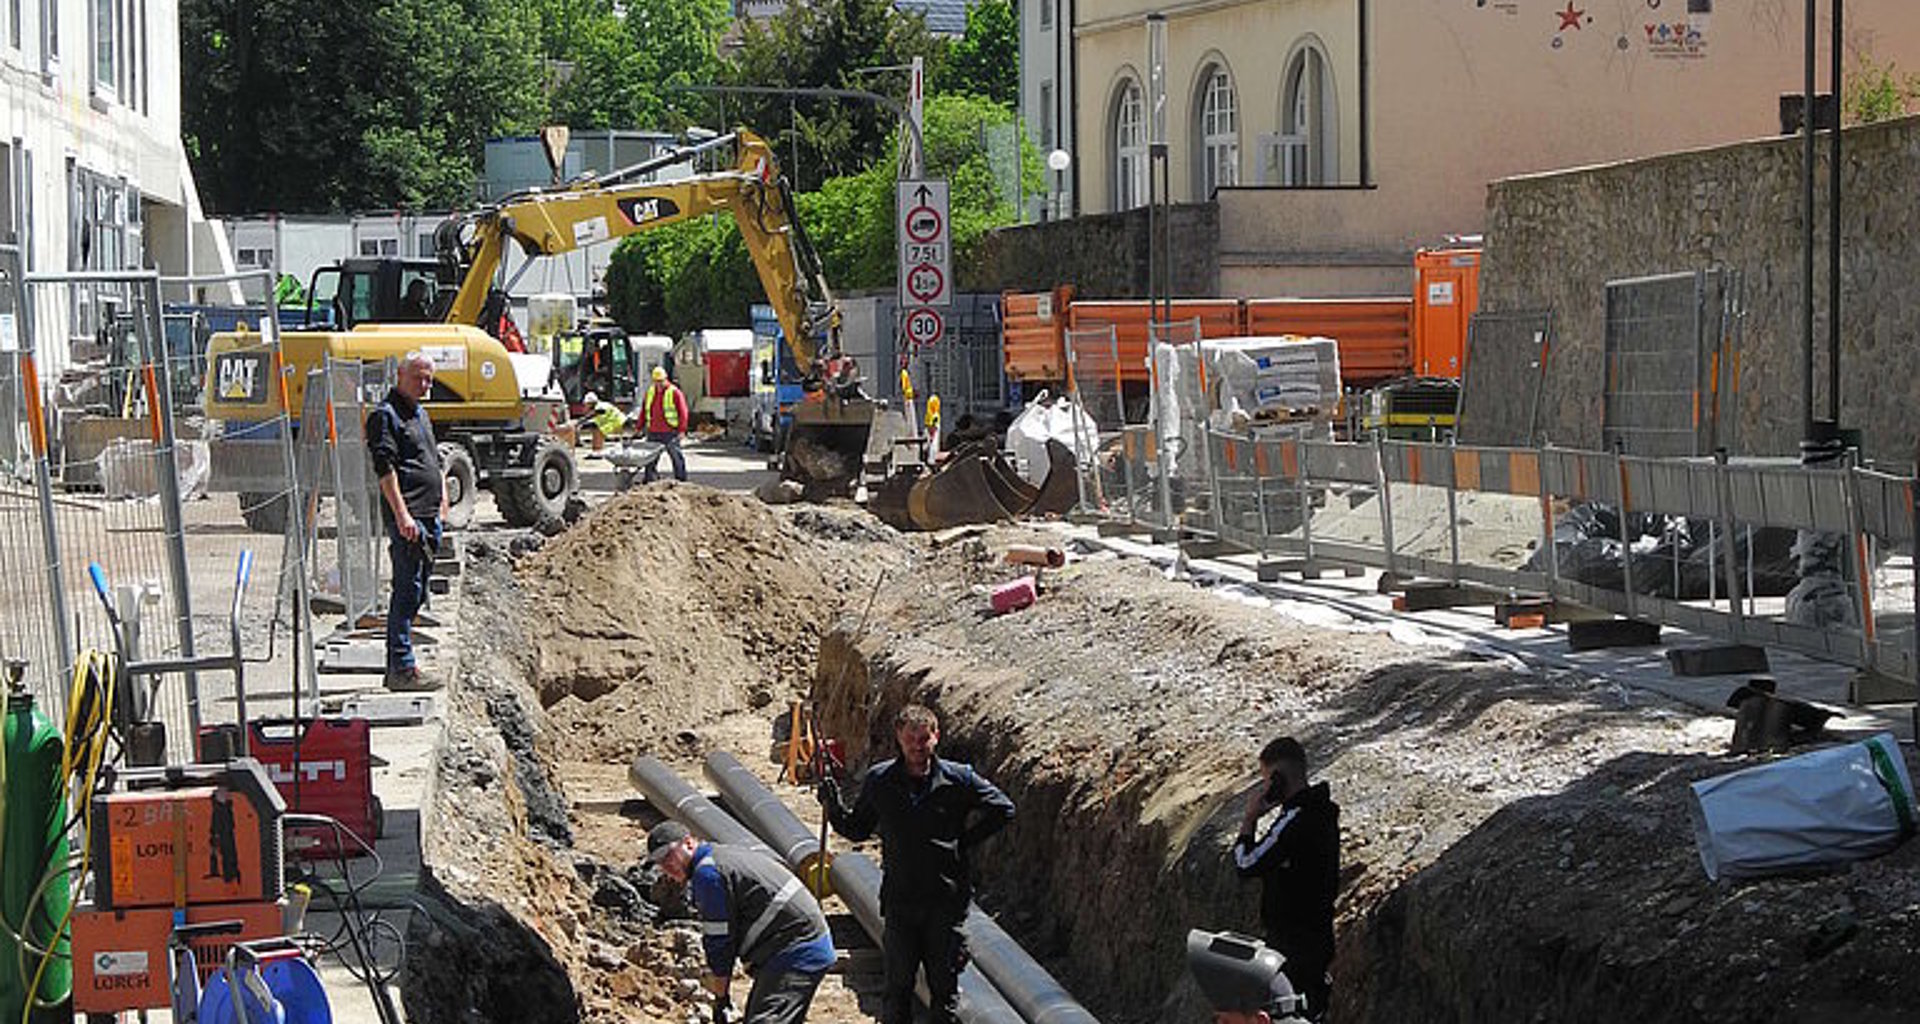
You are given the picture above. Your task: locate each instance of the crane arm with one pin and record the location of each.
(552, 222)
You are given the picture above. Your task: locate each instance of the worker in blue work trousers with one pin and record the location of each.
(930, 815)
(663, 411)
(754, 911)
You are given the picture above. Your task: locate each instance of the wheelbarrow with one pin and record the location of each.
(631, 458)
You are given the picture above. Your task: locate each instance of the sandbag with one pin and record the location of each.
(1827, 807)
(1048, 419)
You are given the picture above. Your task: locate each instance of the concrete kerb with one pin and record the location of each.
(1647, 669)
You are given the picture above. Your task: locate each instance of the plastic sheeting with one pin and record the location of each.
(1830, 806)
(1048, 418)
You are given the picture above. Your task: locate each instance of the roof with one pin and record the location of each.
(944, 17)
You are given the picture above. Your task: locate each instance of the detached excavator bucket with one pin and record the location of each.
(888, 498)
(1060, 491)
(975, 485)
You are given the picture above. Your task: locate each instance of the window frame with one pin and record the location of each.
(1127, 130)
(1216, 144)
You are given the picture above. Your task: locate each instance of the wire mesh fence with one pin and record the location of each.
(1669, 349)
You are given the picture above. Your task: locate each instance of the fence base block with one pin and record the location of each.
(1523, 612)
(1108, 528)
(1318, 570)
(1596, 634)
(1167, 534)
(1428, 595)
(1202, 548)
(1870, 687)
(1269, 570)
(1725, 660)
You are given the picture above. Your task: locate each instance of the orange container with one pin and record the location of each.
(1032, 325)
(1446, 294)
(1374, 335)
(120, 956)
(1219, 318)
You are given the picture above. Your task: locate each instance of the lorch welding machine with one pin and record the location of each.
(202, 841)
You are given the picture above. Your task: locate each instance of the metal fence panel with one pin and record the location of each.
(1662, 364)
(1507, 357)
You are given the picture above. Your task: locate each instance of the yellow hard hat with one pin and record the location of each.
(659, 373)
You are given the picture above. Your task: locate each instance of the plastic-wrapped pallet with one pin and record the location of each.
(1277, 378)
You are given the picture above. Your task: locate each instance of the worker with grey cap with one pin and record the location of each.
(1242, 979)
(754, 911)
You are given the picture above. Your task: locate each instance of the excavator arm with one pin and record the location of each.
(550, 222)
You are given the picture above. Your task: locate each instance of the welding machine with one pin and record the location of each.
(120, 956)
(188, 835)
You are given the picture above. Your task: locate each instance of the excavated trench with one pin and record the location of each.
(1515, 845)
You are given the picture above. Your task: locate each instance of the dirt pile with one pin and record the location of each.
(1516, 845)
(673, 606)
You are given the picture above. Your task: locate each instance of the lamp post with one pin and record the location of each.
(1058, 161)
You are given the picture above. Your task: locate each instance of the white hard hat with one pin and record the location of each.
(591, 399)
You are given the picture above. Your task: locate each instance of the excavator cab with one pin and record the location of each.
(383, 291)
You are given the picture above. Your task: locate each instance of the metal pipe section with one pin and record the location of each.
(1034, 993)
(666, 790)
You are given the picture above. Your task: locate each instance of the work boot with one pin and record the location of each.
(410, 680)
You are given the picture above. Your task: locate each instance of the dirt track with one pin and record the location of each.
(1516, 845)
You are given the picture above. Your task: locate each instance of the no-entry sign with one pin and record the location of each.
(926, 259)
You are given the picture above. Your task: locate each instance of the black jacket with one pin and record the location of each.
(1298, 862)
(400, 441)
(924, 830)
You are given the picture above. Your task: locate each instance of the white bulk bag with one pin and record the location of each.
(1838, 804)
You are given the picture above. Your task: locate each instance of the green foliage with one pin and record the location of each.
(698, 274)
(1876, 92)
(303, 106)
(986, 61)
(823, 44)
(613, 71)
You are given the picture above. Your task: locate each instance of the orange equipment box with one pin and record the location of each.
(190, 834)
(1446, 295)
(120, 956)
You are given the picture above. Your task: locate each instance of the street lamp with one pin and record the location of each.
(1058, 161)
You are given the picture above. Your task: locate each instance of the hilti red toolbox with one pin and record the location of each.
(335, 778)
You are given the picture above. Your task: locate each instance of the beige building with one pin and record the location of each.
(1339, 135)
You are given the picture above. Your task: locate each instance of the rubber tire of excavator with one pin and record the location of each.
(463, 494)
(524, 502)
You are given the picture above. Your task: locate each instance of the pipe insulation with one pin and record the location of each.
(1017, 976)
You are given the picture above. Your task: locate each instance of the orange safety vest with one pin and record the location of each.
(669, 409)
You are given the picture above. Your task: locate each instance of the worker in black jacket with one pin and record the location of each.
(929, 814)
(1297, 860)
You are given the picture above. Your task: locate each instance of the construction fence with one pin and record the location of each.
(116, 489)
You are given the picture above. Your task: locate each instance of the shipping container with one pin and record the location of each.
(1219, 318)
(1034, 324)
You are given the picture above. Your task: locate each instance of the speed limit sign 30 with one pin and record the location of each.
(924, 326)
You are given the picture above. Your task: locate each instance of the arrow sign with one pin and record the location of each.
(926, 257)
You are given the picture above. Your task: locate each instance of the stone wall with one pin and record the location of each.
(1554, 240)
(1103, 256)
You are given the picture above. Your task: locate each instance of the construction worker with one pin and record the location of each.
(664, 410)
(752, 910)
(607, 419)
(1243, 980)
(921, 806)
(406, 462)
(1297, 860)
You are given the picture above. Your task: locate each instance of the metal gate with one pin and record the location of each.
(1669, 353)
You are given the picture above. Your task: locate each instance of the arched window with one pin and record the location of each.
(1216, 133)
(1129, 146)
(1308, 151)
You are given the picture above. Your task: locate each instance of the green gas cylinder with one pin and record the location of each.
(33, 838)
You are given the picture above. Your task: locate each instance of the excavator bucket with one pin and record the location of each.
(975, 485)
(1060, 491)
(827, 445)
(888, 498)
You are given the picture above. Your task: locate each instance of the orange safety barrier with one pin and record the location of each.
(1375, 335)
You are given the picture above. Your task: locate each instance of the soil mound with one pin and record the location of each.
(672, 606)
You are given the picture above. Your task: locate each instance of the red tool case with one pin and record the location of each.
(335, 778)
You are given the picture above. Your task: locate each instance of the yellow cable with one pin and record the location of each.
(96, 747)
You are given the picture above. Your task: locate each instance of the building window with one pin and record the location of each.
(106, 50)
(1306, 152)
(13, 23)
(379, 247)
(1217, 130)
(254, 259)
(1129, 147)
(1046, 15)
(1046, 117)
(423, 245)
(49, 36)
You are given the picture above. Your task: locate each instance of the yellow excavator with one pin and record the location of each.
(495, 409)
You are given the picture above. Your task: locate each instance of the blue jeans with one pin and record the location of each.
(671, 439)
(411, 566)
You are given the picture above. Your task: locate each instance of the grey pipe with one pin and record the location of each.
(1037, 997)
(666, 790)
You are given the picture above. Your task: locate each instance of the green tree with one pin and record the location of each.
(986, 61)
(613, 69)
(303, 106)
(1877, 92)
(825, 44)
